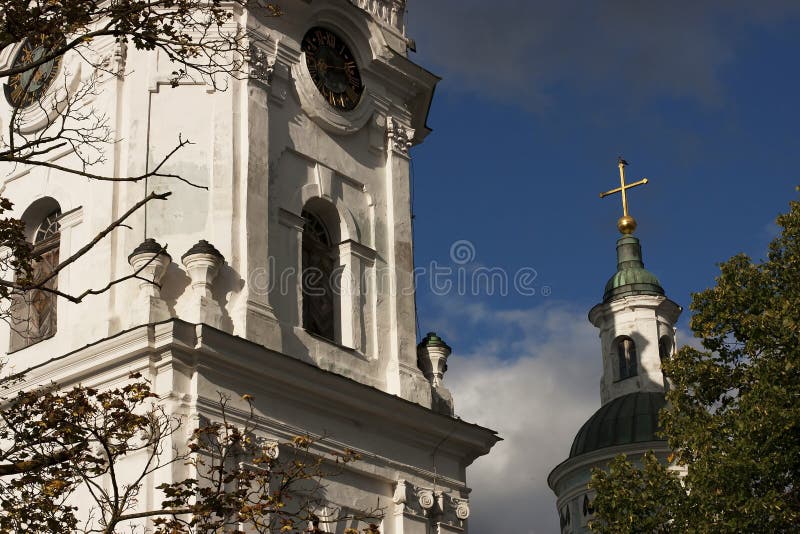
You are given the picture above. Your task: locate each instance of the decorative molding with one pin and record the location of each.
(399, 137)
(436, 506)
(262, 64)
(66, 82)
(291, 220)
(364, 252)
(71, 218)
(293, 60)
(426, 499)
(259, 308)
(461, 508)
(390, 13)
(569, 478)
(400, 492)
(113, 61)
(220, 356)
(53, 103)
(319, 111)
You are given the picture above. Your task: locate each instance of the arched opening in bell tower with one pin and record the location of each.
(627, 357)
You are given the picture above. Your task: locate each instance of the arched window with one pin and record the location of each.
(34, 312)
(626, 353)
(564, 518)
(588, 507)
(319, 300)
(664, 348)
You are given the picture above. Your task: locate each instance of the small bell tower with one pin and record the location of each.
(635, 319)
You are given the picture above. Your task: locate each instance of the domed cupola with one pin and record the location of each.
(631, 277)
(626, 420)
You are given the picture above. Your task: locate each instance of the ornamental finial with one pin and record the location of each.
(626, 223)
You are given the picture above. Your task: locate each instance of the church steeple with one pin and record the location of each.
(631, 277)
(636, 321)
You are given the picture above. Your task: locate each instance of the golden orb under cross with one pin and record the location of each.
(626, 224)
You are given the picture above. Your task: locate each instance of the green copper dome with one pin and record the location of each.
(631, 277)
(433, 340)
(632, 418)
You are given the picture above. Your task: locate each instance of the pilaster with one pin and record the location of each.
(355, 260)
(405, 379)
(258, 316)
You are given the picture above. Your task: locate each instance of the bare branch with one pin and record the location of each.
(103, 233)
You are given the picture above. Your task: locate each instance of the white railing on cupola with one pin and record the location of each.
(391, 12)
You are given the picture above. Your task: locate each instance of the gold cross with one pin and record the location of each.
(626, 224)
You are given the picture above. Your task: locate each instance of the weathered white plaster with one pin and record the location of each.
(645, 319)
(262, 150)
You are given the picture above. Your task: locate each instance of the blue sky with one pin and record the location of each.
(537, 101)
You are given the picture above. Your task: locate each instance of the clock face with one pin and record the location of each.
(333, 68)
(26, 88)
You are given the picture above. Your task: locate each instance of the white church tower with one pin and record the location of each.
(304, 167)
(637, 332)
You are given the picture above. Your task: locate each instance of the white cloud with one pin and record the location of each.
(535, 380)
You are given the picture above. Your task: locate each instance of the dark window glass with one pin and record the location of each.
(318, 269)
(626, 352)
(664, 348)
(34, 312)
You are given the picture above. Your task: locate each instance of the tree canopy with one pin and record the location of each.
(733, 413)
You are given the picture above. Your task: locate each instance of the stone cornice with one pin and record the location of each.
(222, 354)
(585, 461)
(338, 393)
(326, 444)
(362, 251)
(659, 304)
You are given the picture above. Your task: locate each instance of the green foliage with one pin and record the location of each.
(733, 417)
(635, 498)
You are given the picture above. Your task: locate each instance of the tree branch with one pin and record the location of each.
(28, 466)
(107, 230)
